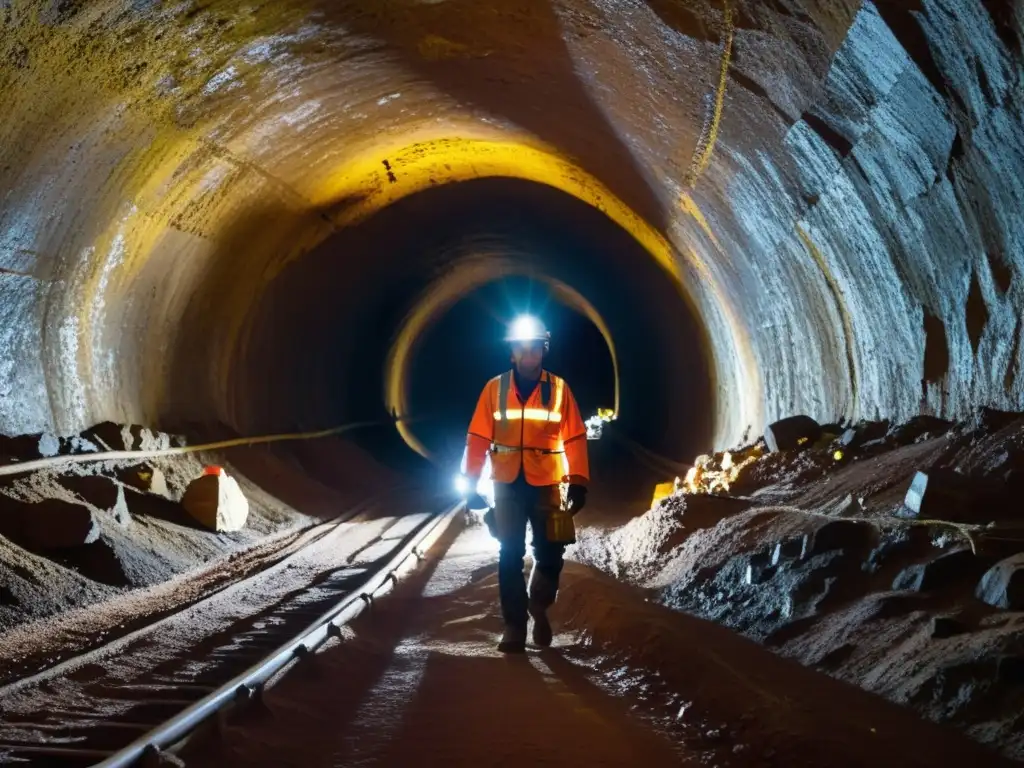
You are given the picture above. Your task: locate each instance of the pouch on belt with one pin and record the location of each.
(560, 526)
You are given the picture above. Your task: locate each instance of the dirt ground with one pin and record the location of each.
(628, 682)
(809, 555)
(143, 540)
(813, 554)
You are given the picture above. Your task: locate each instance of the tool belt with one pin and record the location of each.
(495, 448)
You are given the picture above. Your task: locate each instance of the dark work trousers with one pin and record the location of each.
(515, 504)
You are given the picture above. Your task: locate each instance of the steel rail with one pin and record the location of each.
(249, 684)
(113, 645)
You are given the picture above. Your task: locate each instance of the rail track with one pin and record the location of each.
(130, 699)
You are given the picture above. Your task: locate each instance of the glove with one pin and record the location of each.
(475, 501)
(577, 498)
(491, 521)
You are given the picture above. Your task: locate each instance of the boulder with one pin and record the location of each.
(791, 433)
(102, 492)
(946, 569)
(917, 428)
(943, 494)
(110, 436)
(146, 478)
(21, 448)
(847, 535)
(1002, 586)
(216, 502)
(49, 524)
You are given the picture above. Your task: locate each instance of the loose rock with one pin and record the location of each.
(945, 495)
(216, 502)
(110, 436)
(790, 433)
(943, 571)
(841, 534)
(1003, 585)
(47, 525)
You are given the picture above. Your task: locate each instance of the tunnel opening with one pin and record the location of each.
(319, 342)
(463, 349)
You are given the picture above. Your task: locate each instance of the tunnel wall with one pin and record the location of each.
(841, 183)
(888, 226)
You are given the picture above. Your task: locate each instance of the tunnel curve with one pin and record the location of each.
(440, 296)
(832, 189)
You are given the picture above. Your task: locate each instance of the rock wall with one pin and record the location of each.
(835, 186)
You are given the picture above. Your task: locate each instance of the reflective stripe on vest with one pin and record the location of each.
(531, 414)
(504, 386)
(551, 412)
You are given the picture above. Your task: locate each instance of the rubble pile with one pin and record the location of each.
(887, 555)
(72, 532)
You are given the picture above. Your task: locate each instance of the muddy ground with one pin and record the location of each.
(813, 553)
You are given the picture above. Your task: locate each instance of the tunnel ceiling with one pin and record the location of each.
(836, 187)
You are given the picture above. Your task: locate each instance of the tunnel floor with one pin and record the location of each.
(747, 614)
(419, 682)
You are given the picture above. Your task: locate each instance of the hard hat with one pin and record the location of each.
(528, 328)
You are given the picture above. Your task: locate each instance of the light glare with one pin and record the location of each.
(525, 327)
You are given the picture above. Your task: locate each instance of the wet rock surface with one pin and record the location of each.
(822, 563)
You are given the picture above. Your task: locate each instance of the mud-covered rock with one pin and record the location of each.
(791, 433)
(19, 448)
(1010, 669)
(145, 477)
(7, 597)
(865, 432)
(104, 493)
(110, 436)
(1002, 586)
(944, 494)
(97, 561)
(47, 525)
(896, 544)
(792, 548)
(946, 569)
(918, 428)
(846, 535)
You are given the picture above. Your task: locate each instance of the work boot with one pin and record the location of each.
(542, 595)
(513, 640)
(542, 634)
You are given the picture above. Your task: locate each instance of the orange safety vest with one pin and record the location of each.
(545, 435)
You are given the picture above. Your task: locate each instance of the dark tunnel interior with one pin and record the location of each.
(460, 352)
(322, 334)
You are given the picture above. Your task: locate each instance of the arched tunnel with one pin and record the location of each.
(166, 169)
(239, 218)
